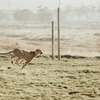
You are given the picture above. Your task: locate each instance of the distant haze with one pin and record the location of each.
(33, 4)
(74, 13)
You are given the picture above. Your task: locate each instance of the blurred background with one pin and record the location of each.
(28, 24)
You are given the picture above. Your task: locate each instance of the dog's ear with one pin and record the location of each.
(37, 50)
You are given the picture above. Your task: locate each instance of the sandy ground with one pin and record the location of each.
(83, 42)
(44, 79)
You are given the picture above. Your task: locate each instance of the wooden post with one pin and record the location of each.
(59, 56)
(52, 23)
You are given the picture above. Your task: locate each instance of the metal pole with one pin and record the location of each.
(59, 56)
(52, 23)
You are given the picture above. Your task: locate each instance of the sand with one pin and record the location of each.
(44, 79)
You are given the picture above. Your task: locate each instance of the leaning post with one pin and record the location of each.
(52, 24)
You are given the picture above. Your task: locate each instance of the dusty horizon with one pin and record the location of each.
(17, 4)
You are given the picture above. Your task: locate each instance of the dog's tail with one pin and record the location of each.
(6, 53)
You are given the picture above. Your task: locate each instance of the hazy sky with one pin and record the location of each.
(32, 4)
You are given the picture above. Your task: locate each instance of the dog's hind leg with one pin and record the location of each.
(25, 64)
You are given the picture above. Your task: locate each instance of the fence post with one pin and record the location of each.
(53, 56)
(58, 13)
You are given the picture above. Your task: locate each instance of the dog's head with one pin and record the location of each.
(38, 51)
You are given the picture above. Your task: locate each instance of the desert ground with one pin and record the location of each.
(72, 78)
(44, 79)
(84, 42)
